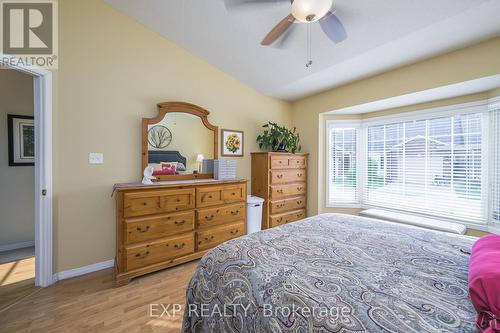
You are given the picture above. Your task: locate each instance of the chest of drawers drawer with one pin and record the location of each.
(280, 219)
(158, 251)
(215, 236)
(282, 191)
(286, 205)
(288, 162)
(155, 202)
(217, 195)
(208, 217)
(158, 226)
(288, 176)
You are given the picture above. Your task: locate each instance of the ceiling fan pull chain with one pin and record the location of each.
(309, 44)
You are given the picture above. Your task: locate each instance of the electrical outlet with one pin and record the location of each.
(96, 158)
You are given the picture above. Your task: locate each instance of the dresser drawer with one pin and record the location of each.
(147, 228)
(297, 162)
(213, 237)
(281, 191)
(286, 205)
(154, 202)
(158, 251)
(233, 193)
(213, 216)
(276, 220)
(217, 195)
(279, 162)
(288, 176)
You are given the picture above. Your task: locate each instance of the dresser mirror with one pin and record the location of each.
(177, 140)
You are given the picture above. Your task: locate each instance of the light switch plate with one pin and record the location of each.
(96, 158)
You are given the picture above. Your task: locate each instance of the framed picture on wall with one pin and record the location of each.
(21, 141)
(231, 143)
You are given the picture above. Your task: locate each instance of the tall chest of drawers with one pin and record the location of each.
(281, 179)
(163, 225)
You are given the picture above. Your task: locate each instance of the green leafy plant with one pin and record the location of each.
(279, 138)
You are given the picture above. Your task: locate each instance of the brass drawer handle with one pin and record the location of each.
(233, 193)
(142, 256)
(234, 232)
(145, 203)
(299, 188)
(299, 175)
(210, 197)
(279, 176)
(179, 246)
(142, 229)
(209, 238)
(179, 223)
(209, 218)
(235, 213)
(280, 219)
(280, 191)
(178, 200)
(299, 202)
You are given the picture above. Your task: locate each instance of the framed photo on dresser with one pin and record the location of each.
(231, 143)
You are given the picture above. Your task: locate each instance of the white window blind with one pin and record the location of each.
(495, 172)
(431, 166)
(342, 171)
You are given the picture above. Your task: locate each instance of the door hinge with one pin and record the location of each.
(44, 192)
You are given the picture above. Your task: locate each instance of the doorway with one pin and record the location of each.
(42, 190)
(17, 190)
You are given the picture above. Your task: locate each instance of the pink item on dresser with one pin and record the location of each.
(484, 282)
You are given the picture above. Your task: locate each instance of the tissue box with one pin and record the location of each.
(224, 169)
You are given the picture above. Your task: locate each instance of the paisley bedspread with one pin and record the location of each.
(334, 273)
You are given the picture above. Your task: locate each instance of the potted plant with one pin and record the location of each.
(279, 138)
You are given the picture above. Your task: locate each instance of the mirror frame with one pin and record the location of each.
(181, 107)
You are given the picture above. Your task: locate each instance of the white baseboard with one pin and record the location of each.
(15, 246)
(83, 270)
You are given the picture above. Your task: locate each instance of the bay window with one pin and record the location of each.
(437, 163)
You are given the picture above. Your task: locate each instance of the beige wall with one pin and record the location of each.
(470, 63)
(112, 72)
(17, 189)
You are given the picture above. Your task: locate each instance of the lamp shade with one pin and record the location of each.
(310, 10)
(200, 158)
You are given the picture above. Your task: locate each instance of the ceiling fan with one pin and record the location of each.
(302, 11)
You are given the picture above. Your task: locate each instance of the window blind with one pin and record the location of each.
(495, 172)
(431, 166)
(342, 165)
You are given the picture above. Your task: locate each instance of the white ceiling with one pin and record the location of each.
(382, 34)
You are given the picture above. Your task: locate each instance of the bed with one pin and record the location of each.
(354, 274)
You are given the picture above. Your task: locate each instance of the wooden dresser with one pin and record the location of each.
(169, 223)
(281, 179)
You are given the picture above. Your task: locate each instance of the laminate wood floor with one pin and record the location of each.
(92, 303)
(17, 280)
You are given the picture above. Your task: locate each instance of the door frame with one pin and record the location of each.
(42, 100)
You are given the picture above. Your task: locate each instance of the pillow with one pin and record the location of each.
(166, 171)
(484, 282)
(156, 166)
(178, 165)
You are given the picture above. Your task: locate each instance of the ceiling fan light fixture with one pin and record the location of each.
(308, 11)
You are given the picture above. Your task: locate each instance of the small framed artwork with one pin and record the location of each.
(21, 131)
(232, 143)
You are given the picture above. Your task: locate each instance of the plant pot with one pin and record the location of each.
(281, 148)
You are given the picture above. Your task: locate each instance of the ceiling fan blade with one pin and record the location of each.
(232, 5)
(284, 40)
(333, 28)
(278, 30)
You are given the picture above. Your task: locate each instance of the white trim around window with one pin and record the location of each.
(362, 125)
